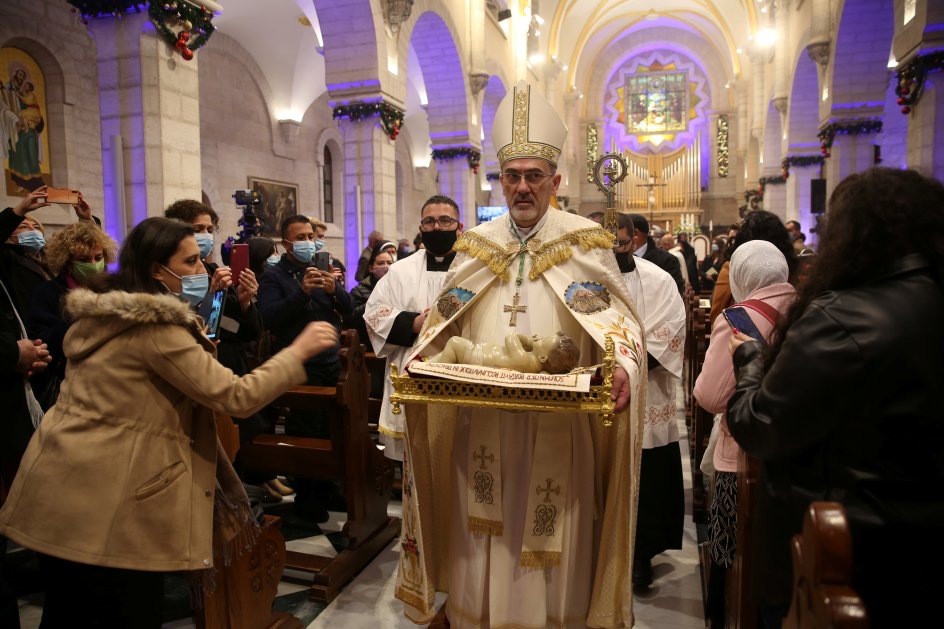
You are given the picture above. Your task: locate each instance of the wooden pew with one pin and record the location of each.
(740, 611)
(823, 596)
(350, 456)
(246, 588)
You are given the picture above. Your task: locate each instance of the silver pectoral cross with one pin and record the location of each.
(514, 309)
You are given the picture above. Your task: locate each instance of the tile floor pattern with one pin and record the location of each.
(673, 602)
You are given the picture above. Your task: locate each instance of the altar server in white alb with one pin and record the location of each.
(661, 494)
(399, 303)
(526, 519)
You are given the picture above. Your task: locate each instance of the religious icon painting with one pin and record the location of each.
(24, 134)
(586, 297)
(450, 303)
(278, 201)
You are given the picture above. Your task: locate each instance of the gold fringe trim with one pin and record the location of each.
(539, 558)
(415, 601)
(496, 257)
(561, 249)
(390, 433)
(491, 527)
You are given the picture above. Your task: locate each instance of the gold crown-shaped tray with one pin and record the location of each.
(417, 390)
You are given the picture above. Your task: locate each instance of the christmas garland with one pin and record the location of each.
(102, 8)
(195, 23)
(472, 156)
(911, 78)
(390, 117)
(846, 127)
(192, 21)
(773, 180)
(800, 161)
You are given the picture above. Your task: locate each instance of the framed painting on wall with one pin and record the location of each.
(278, 201)
(24, 134)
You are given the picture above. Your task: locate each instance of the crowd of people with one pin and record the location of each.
(112, 473)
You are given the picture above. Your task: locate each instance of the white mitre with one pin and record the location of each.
(526, 126)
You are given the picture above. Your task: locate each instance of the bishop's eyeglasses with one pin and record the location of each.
(445, 222)
(533, 177)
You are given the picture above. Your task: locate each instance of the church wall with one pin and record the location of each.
(65, 52)
(239, 138)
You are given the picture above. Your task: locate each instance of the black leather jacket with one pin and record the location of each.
(850, 411)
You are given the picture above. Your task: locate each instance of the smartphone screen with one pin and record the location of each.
(212, 312)
(321, 261)
(739, 320)
(62, 195)
(238, 261)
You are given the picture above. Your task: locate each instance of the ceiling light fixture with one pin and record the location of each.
(504, 14)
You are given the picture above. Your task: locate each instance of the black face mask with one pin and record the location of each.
(439, 242)
(626, 261)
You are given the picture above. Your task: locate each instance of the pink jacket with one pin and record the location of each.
(715, 384)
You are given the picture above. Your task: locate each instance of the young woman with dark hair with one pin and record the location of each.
(124, 478)
(847, 408)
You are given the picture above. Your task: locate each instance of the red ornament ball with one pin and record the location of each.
(901, 101)
(186, 53)
(906, 110)
(905, 91)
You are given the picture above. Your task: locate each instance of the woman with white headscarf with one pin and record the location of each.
(758, 284)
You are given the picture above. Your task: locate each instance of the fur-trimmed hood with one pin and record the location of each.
(98, 317)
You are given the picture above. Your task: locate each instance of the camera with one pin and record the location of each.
(250, 223)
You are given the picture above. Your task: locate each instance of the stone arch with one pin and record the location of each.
(803, 114)
(862, 43)
(64, 89)
(226, 46)
(330, 139)
(353, 56)
(434, 38)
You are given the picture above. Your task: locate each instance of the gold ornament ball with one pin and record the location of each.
(186, 25)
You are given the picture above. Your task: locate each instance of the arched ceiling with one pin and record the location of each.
(575, 30)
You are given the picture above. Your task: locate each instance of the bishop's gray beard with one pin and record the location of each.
(523, 215)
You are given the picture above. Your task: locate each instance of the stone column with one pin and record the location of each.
(150, 97)
(369, 186)
(926, 129)
(457, 181)
(849, 154)
(775, 199)
(798, 196)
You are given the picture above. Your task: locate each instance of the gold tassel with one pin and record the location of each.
(561, 249)
(490, 527)
(496, 257)
(539, 558)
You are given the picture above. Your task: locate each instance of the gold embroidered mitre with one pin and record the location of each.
(526, 126)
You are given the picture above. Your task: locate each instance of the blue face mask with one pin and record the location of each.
(319, 245)
(303, 250)
(205, 242)
(31, 240)
(273, 259)
(193, 288)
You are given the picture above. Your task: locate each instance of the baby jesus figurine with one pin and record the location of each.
(556, 353)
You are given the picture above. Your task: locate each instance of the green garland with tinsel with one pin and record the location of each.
(773, 180)
(391, 118)
(182, 24)
(846, 127)
(911, 76)
(800, 161)
(722, 146)
(473, 157)
(102, 8)
(194, 23)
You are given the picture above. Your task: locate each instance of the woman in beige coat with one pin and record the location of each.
(122, 481)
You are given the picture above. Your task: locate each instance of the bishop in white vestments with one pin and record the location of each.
(398, 305)
(526, 519)
(661, 493)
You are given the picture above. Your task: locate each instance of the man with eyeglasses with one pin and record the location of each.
(518, 515)
(398, 305)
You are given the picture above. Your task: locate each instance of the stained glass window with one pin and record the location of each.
(657, 102)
